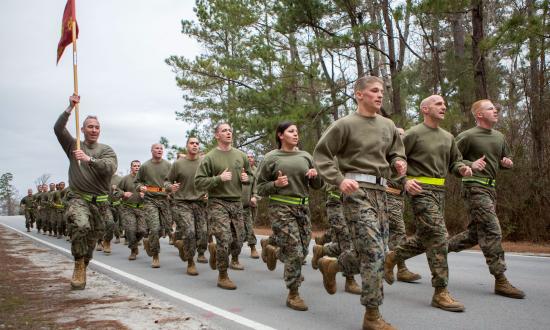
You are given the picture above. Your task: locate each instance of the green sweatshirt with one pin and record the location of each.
(431, 152)
(250, 190)
(127, 184)
(92, 177)
(113, 195)
(368, 145)
(213, 164)
(36, 199)
(183, 172)
(476, 142)
(152, 174)
(27, 202)
(294, 165)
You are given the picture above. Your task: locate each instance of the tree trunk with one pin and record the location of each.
(480, 75)
(396, 88)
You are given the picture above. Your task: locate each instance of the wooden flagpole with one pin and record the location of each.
(75, 80)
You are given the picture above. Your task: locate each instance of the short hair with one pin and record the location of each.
(476, 106)
(134, 161)
(88, 118)
(365, 81)
(156, 144)
(428, 100)
(217, 127)
(191, 137)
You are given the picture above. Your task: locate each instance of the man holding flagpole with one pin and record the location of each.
(90, 170)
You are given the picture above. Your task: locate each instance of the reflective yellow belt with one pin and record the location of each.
(289, 199)
(115, 203)
(58, 206)
(427, 180)
(484, 181)
(94, 199)
(334, 195)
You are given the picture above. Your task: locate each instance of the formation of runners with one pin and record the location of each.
(363, 162)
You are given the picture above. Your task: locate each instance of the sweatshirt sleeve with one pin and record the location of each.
(324, 155)
(66, 140)
(455, 161)
(106, 164)
(203, 178)
(265, 178)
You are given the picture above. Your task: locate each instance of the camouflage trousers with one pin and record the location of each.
(86, 222)
(341, 236)
(53, 220)
(226, 224)
(248, 218)
(158, 217)
(133, 222)
(483, 229)
(430, 236)
(117, 226)
(291, 228)
(398, 234)
(367, 220)
(190, 219)
(60, 226)
(29, 218)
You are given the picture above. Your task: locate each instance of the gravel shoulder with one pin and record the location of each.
(35, 294)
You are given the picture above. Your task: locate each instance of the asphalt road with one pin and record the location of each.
(259, 301)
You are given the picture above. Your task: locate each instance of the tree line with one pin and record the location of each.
(264, 61)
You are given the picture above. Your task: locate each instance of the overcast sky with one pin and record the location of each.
(122, 79)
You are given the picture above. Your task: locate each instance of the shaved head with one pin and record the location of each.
(429, 100)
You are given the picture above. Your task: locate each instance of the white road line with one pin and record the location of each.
(190, 300)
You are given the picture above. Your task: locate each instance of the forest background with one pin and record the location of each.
(264, 61)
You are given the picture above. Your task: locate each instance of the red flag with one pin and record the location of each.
(69, 16)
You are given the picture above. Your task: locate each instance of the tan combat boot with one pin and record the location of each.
(235, 264)
(133, 253)
(442, 299)
(389, 265)
(271, 256)
(352, 286)
(318, 253)
(99, 246)
(156, 261)
(253, 252)
(78, 282)
(264, 243)
(117, 240)
(224, 282)
(147, 246)
(191, 268)
(404, 274)
(212, 251)
(504, 288)
(106, 247)
(202, 259)
(374, 321)
(294, 300)
(179, 245)
(329, 267)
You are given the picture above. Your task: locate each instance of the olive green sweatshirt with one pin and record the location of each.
(213, 164)
(92, 177)
(127, 184)
(293, 164)
(115, 181)
(431, 152)
(183, 172)
(368, 145)
(477, 142)
(152, 174)
(250, 190)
